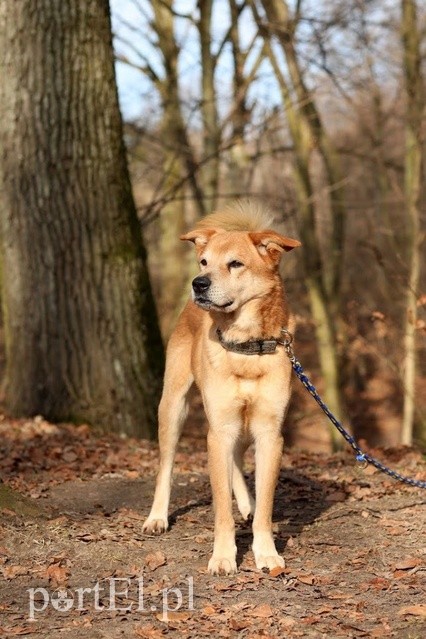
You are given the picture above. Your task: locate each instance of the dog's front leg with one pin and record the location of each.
(221, 452)
(268, 455)
(171, 415)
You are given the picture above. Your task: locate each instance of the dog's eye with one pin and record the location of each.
(203, 262)
(235, 264)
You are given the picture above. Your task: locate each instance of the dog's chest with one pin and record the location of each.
(244, 376)
(247, 390)
(245, 370)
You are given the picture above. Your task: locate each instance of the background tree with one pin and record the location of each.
(292, 108)
(82, 341)
(322, 267)
(191, 157)
(209, 111)
(413, 178)
(303, 105)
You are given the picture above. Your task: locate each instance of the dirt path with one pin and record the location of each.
(353, 542)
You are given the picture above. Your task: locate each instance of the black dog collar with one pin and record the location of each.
(251, 347)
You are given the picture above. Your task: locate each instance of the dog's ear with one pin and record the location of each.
(200, 237)
(272, 244)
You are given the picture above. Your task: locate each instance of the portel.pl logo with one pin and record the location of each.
(103, 596)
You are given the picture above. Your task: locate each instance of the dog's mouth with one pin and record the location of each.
(207, 304)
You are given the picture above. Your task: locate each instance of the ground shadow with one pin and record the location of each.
(109, 494)
(299, 501)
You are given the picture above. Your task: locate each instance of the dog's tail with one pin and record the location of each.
(242, 215)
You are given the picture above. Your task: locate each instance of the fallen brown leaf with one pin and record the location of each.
(10, 572)
(239, 624)
(310, 621)
(15, 631)
(86, 537)
(275, 572)
(418, 610)
(69, 456)
(155, 559)
(379, 583)
(309, 580)
(57, 574)
(287, 621)
(336, 496)
(408, 563)
(173, 616)
(380, 631)
(264, 611)
(223, 587)
(148, 632)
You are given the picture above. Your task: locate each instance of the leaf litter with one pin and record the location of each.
(353, 543)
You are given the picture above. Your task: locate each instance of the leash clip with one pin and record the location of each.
(287, 342)
(361, 461)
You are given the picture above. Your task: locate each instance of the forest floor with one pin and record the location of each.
(353, 541)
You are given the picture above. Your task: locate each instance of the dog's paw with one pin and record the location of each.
(222, 566)
(247, 509)
(269, 561)
(155, 526)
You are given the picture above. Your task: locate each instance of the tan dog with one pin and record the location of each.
(224, 341)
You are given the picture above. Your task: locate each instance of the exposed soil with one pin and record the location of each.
(353, 541)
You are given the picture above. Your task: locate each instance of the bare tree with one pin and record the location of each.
(323, 278)
(325, 144)
(179, 160)
(414, 165)
(211, 125)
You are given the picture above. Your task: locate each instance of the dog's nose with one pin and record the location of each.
(200, 284)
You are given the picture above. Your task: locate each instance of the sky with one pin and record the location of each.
(134, 89)
(138, 97)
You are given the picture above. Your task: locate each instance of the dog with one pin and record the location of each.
(228, 340)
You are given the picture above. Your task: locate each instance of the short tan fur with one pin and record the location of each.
(238, 291)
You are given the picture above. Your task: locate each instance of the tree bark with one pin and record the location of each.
(413, 171)
(81, 330)
(178, 160)
(211, 129)
(178, 140)
(283, 26)
(239, 117)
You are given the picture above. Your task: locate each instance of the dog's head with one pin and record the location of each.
(236, 266)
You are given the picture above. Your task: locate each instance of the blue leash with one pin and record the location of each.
(361, 457)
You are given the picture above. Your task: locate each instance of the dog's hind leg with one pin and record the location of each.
(245, 501)
(172, 411)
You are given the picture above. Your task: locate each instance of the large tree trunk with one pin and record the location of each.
(81, 331)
